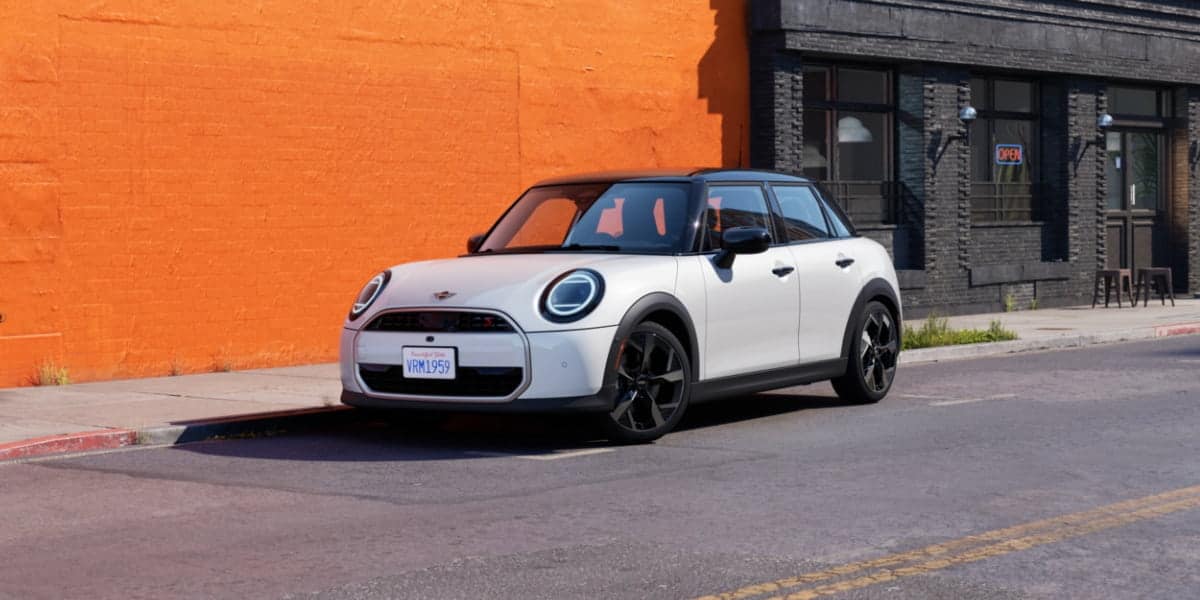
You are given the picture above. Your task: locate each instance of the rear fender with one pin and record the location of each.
(876, 288)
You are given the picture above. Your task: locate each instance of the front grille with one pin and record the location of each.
(471, 381)
(441, 321)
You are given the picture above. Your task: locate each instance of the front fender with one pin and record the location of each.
(660, 303)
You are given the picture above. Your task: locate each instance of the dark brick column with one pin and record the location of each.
(776, 106)
(947, 214)
(1085, 188)
(1192, 95)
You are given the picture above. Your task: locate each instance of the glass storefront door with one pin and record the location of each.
(1135, 171)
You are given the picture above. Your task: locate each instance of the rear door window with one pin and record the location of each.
(803, 216)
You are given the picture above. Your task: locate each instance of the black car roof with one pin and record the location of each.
(672, 175)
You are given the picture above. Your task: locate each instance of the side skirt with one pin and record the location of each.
(713, 389)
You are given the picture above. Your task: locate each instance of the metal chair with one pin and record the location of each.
(1161, 278)
(1123, 279)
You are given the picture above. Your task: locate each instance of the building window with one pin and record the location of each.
(1137, 102)
(848, 116)
(1004, 149)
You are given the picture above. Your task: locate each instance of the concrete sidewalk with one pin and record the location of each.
(91, 416)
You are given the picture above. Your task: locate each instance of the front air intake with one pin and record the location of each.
(437, 321)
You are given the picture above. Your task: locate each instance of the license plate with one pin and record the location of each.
(429, 363)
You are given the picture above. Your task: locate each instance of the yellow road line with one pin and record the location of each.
(1017, 537)
(993, 550)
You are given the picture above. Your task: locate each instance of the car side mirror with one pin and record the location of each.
(741, 240)
(474, 242)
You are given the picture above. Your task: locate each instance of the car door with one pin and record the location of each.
(828, 275)
(752, 306)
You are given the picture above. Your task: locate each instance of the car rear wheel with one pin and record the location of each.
(653, 385)
(871, 367)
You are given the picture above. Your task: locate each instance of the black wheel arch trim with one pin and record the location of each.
(644, 307)
(875, 288)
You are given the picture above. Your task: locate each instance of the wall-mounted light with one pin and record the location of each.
(1104, 121)
(966, 115)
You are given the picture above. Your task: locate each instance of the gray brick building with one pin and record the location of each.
(1082, 154)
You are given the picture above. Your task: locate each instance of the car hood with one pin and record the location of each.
(513, 284)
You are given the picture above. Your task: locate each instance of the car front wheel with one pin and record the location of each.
(653, 385)
(871, 367)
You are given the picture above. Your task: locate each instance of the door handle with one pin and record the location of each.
(844, 262)
(782, 271)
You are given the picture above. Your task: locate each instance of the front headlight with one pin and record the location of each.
(572, 296)
(369, 293)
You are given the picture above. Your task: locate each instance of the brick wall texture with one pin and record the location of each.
(1075, 50)
(188, 186)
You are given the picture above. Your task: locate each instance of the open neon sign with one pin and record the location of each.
(1010, 154)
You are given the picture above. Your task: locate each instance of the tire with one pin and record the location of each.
(653, 383)
(871, 367)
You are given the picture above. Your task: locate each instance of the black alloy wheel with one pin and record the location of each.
(653, 382)
(871, 367)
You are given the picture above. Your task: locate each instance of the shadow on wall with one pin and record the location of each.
(724, 80)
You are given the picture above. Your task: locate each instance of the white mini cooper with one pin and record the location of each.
(632, 295)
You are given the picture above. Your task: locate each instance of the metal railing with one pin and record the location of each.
(866, 202)
(993, 202)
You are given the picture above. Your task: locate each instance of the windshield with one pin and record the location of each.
(632, 217)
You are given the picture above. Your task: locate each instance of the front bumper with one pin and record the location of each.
(594, 403)
(561, 370)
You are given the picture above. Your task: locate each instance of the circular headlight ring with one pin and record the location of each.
(574, 311)
(361, 304)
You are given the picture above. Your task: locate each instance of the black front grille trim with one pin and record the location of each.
(471, 382)
(439, 321)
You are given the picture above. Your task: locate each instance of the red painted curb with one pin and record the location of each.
(1177, 329)
(85, 441)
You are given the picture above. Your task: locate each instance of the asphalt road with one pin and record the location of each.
(1056, 475)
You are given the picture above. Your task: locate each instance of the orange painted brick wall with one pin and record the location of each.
(189, 186)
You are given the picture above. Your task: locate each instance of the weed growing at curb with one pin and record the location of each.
(48, 373)
(936, 331)
(1010, 303)
(1033, 304)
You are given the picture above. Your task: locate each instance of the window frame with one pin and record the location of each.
(989, 116)
(1162, 102)
(833, 107)
(702, 222)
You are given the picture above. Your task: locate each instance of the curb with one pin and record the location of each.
(84, 441)
(268, 423)
(965, 351)
(1178, 329)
